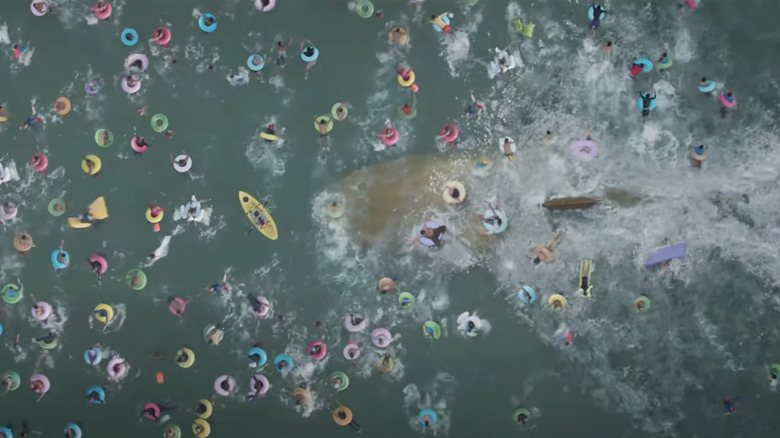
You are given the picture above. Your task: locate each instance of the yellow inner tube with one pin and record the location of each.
(106, 308)
(408, 83)
(190, 358)
(65, 103)
(398, 35)
(154, 220)
(209, 408)
(557, 300)
(347, 415)
(97, 164)
(205, 428)
(457, 185)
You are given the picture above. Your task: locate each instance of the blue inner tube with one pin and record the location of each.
(101, 394)
(647, 65)
(710, 86)
(260, 352)
(531, 293)
(494, 228)
(313, 56)
(93, 361)
(590, 13)
(6, 431)
(202, 23)
(255, 67)
(283, 358)
(129, 37)
(640, 106)
(74, 428)
(56, 263)
(445, 19)
(430, 413)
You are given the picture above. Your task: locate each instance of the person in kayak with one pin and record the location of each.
(270, 130)
(597, 11)
(647, 100)
(260, 218)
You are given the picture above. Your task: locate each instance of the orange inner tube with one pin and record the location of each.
(342, 411)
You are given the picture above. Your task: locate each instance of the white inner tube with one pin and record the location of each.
(186, 167)
(454, 185)
(509, 62)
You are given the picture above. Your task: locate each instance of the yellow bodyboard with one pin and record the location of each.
(76, 223)
(98, 209)
(269, 137)
(249, 204)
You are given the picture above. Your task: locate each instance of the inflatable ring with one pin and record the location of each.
(179, 168)
(159, 122)
(709, 87)
(640, 105)
(207, 28)
(364, 8)
(727, 101)
(340, 386)
(38, 13)
(587, 150)
(490, 215)
(325, 119)
(590, 13)
(774, 370)
(698, 153)
(190, 357)
(381, 337)
(94, 358)
(386, 364)
(45, 383)
(23, 242)
(406, 300)
(92, 87)
(225, 379)
(201, 428)
(351, 351)
(427, 413)
(412, 112)
(317, 350)
(334, 111)
(283, 358)
(398, 35)
(154, 219)
(454, 185)
(131, 275)
(57, 207)
(98, 164)
(103, 313)
(99, 138)
(101, 394)
(342, 416)
(557, 301)
(665, 65)
(129, 37)
(265, 5)
(647, 65)
(406, 83)
(252, 66)
(315, 54)
(14, 380)
(101, 261)
(172, 431)
(530, 292)
(48, 345)
(12, 293)
(518, 413)
(336, 208)
(260, 353)
(62, 106)
(204, 408)
(483, 164)
(446, 20)
(641, 304)
(72, 430)
(58, 264)
(431, 330)
(207, 332)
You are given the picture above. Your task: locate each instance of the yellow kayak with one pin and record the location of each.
(254, 210)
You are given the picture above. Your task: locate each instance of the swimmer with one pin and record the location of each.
(308, 50)
(100, 7)
(260, 219)
(136, 280)
(587, 133)
(169, 133)
(396, 35)
(37, 386)
(379, 13)
(337, 381)
(323, 128)
(607, 49)
(92, 352)
(255, 357)
(470, 327)
(258, 61)
(300, 396)
(315, 349)
(404, 73)
(549, 137)
(281, 52)
(647, 99)
(9, 209)
(566, 337)
(59, 105)
(96, 267)
(159, 34)
(473, 107)
(507, 147)
(221, 287)
(141, 142)
(440, 23)
(445, 132)
(170, 432)
(38, 310)
(387, 286)
(136, 66)
(433, 234)
(771, 374)
(215, 335)
(201, 408)
(635, 70)
(544, 253)
(197, 428)
(3, 112)
(18, 51)
(260, 309)
(32, 119)
(182, 357)
(120, 367)
(141, 111)
(208, 20)
(6, 383)
(597, 11)
(723, 108)
(697, 151)
(703, 82)
(527, 296)
(728, 403)
(318, 325)
(640, 305)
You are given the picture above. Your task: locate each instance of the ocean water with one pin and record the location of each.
(708, 334)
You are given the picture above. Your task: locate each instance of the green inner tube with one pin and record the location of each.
(176, 431)
(406, 300)
(522, 411)
(141, 279)
(57, 207)
(412, 113)
(159, 122)
(344, 380)
(99, 141)
(49, 345)
(775, 369)
(327, 119)
(432, 329)
(12, 294)
(643, 299)
(207, 332)
(334, 109)
(364, 8)
(15, 379)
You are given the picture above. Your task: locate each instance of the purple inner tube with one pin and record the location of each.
(424, 240)
(585, 150)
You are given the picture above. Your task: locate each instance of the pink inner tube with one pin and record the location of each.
(177, 306)
(44, 380)
(585, 150)
(42, 312)
(156, 415)
(265, 307)
(165, 38)
(691, 4)
(42, 164)
(123, 370)
(35, 11)
(128, 89)
(104, 14)
(218, 385)
(136, 147)
(265, 8)
(453, 133)
(134, 57)
(725, 101)
(319, 354)
(264, 380)
(353, 350)
(355, 328)
(389, 136)
(102, 261)
(381, 337)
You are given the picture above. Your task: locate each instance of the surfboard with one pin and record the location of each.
(677, 251)
(76, 223)
(577, 203)
(251, 205)
(267, 136)
(586, 286)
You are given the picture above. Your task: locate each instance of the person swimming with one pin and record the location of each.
(607, 49)
(647, 100)
(220, 287)
(33, 119)
(728, 403)
(322, 126)
(597, 11)
(473, 107)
